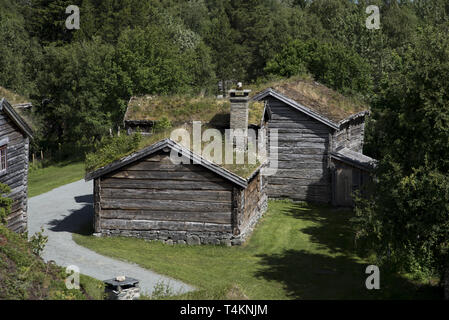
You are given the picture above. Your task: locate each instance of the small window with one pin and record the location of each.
(3, 158)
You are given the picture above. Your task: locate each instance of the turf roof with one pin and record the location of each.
(15, 99)
(315, 96)
(12, 97)
(214, 112)
(244, 170)
(182, 109)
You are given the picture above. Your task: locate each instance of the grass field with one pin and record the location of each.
(297, 252)
(46, 179)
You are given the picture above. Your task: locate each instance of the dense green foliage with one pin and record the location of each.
(408, 217)
(24, 275)
(333, 64)
(5, 202)
(111, 149)
(80, 80)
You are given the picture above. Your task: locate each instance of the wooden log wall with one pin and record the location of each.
(255, 204)
(154, 194)
(16, 175)
(351, 136)
(304, 143)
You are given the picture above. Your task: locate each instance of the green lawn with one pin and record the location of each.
(46, 179)
(298, 251)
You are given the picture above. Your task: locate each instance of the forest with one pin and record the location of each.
(80, 81)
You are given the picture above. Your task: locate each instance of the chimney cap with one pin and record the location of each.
(239, 93)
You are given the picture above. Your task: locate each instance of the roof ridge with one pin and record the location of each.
(15, 117)
(161, 144)
(299, 106)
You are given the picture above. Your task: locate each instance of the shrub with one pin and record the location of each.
(111, 149)
(163, 124)
(5, 203)
(38, 242)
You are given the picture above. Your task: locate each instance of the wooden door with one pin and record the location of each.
(343, 192)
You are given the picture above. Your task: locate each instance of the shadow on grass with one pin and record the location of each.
(336, 273)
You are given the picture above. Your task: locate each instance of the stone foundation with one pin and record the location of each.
(175, 237)
(191, 238)
(251, 225)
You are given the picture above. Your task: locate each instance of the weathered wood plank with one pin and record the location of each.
(196, 195)
(305, 168)
(299, 182)
(298, 150)
(210, 217)
(168, 175)
(157, 166)
(299, 138)
(169, 205)
(161, 184)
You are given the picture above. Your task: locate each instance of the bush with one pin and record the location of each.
(38, 242)
(163, 124)
(5, 203)
(111, 149)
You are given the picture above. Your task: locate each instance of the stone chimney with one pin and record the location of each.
(239, 99)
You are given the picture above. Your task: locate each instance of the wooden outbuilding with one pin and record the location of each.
(148, 196)
(312, 135)
(15, 137)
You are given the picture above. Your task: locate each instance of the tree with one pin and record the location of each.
(332, 64)
(46, 20)
(407, 217)
(18, 52)
(74, 84)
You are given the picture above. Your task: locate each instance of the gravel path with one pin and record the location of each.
(66, 210)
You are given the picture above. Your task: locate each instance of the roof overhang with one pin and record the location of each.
(355, 159)
(15, 117)
(354, 117)
(168, 143)
(272, 93)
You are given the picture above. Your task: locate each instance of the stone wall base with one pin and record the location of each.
(193, 238)
(175, 237)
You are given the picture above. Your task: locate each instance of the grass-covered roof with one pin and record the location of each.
(15, 100)
(313, 95)
(12, 97)
(118, 148)
(183, 109)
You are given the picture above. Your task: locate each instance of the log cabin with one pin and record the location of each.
(15, 135)
(318, 154)
(147, 195)
(319, 146)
